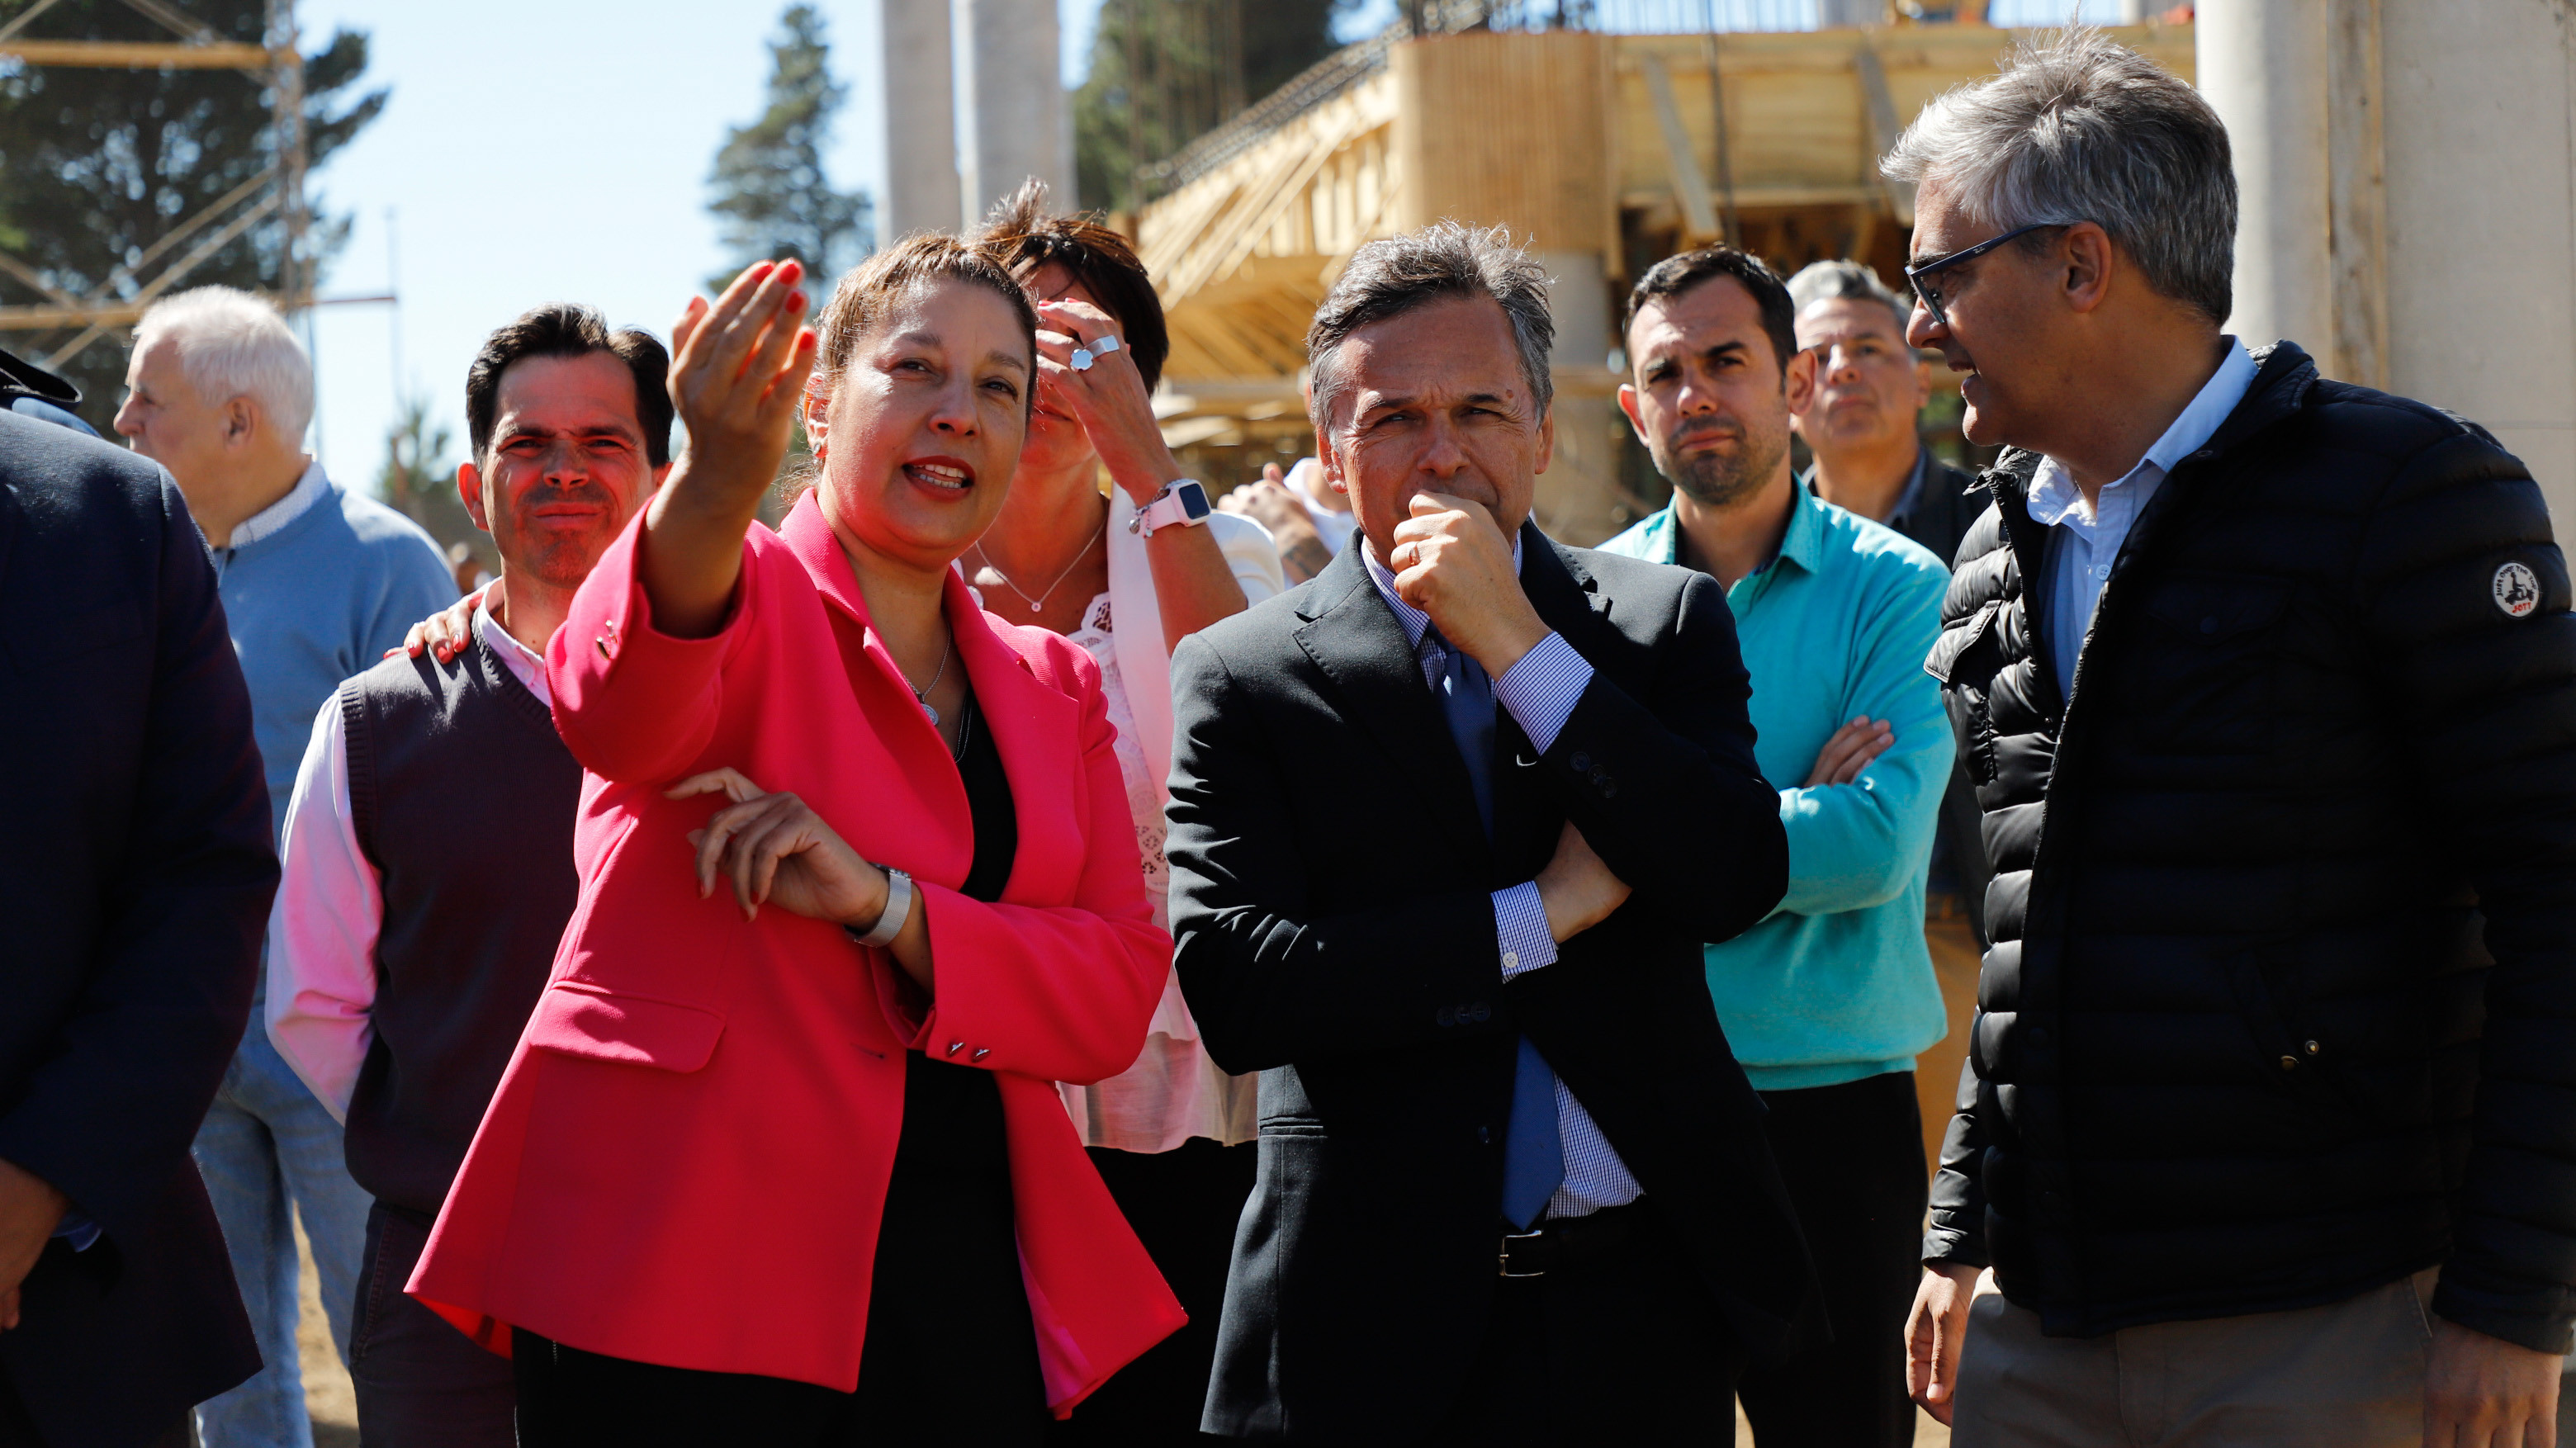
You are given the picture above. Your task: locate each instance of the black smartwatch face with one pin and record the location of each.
(1194, 500)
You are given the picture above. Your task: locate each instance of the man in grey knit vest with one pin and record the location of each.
(428, 848)
(316, 581)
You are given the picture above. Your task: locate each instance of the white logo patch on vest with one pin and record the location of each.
(2517, 590)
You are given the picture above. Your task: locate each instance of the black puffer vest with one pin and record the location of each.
(2246, 1039)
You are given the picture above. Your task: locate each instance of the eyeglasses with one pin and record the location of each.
(1931, 295)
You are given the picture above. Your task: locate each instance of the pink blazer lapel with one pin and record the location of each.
(1033, 725)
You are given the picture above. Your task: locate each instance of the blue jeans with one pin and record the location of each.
(267, 1142)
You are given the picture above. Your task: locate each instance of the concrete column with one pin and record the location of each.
(920, 120)
(1014, 124)
(2482, 223)
(2408, 185)
(2262, 65)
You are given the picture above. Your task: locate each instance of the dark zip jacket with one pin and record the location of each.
(2281, 1001)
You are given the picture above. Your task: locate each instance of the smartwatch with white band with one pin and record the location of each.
(1182, 501)
(898, 908)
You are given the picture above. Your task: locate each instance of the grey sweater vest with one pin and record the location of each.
(463, 798)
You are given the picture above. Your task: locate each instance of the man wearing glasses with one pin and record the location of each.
(2268, 686)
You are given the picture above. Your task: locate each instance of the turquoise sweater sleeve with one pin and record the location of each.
(1856, 845)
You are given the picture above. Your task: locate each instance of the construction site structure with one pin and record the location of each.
(120, 300)
(1603, 152)
(2409, 194)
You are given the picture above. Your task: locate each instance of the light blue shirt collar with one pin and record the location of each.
(2084, 543)
(2054, 498)
(268, 522)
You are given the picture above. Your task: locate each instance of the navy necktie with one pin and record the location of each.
(1533, 1151)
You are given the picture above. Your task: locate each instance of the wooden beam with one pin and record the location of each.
(1699, 213)
(139, 55)
(1883, 129)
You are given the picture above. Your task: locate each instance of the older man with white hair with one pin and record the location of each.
(2268, 685)
(317, 583)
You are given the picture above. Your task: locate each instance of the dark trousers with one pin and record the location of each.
(18, 1430)
(1184, 1205)
(1852, 1157)
(1623, 1347)
(420, 1382)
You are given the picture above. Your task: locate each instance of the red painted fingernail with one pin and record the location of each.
(790, 269)
(796, 301)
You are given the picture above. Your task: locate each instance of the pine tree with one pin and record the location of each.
(97, 165)
(770, 187)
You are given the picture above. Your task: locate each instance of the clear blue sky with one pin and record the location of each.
(541, 150)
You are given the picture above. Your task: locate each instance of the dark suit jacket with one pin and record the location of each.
(135, 874)
(1331, 901)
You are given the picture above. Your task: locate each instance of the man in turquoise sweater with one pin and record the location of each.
(316, 583)
(1829, 999)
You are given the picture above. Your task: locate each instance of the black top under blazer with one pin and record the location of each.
(1331, 887)
(135, 874)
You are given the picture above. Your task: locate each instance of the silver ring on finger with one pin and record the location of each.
(1090, 352)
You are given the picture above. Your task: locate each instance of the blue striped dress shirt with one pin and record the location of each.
(1540, 691)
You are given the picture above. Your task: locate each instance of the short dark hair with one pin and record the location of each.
(1393, 275)
(1024, 236)
(568, 329)
(1675, 275)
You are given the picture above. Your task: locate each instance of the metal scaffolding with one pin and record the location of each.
(126, 293)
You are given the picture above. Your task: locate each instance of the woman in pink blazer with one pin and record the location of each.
(779, 1159)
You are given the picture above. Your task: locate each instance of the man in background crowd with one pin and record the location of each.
(2270, 683)
(428, 852)
(1830, 997)
(1307, 516)
(1860, 425)
(135, 869)
(317, 583)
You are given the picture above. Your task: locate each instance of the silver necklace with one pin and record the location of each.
(921, 695)
(1039, 602)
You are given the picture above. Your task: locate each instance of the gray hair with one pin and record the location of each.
(1833, 281)
(1445, 259)
(232, 344)
(2082, 128)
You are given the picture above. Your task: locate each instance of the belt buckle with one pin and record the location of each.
(1505, 1256)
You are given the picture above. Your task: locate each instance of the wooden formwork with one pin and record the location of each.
(1617, 148)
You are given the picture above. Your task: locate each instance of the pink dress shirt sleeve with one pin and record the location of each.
(322, 930)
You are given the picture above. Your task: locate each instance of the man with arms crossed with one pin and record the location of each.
(317, 582)
(2269, 688)
(1830, 997)
(1513, 1187)
(428, 852)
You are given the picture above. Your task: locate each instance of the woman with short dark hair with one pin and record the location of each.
(779, 1159)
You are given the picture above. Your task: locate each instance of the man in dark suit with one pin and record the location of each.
(135, 874)
(1513, 1186)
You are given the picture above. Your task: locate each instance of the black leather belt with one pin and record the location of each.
(1557, 1244)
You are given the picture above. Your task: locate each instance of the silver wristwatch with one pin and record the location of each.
(898, 908)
